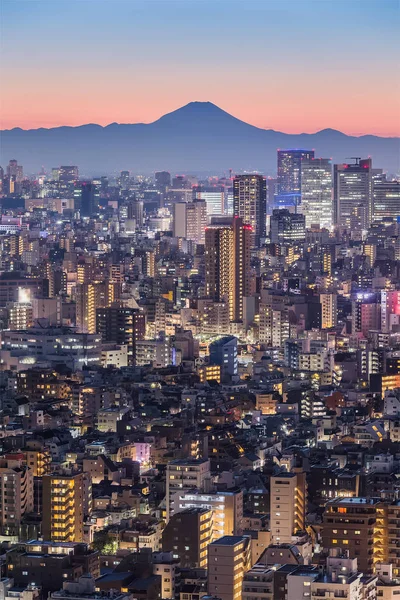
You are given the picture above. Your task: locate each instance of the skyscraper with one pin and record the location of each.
(227, 261)
(289, 170)
(386, 199)
(66, 174)
(249, 203)
(316, 192)
(287, 227)
(87, 199)
(353, 195)
(163, 180)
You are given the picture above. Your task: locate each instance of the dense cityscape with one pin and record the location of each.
(200, 383)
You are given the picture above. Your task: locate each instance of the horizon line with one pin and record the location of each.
(49, 128)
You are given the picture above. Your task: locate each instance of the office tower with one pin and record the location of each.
(67, 501)
(328, 310)
(16, 493)
(196, 221)
(289, 170)
(352, 195)
(365, 314)
(163, 180)
(316, 192)
(15, 171)
(249, 203)
(179, 182)
(271, 192)
(214, 197)
(226, 506)
(136, 211)
(123, 326)
(55, 174)
(188, 535)
(287, 227)
(179, 219)
(184, 475)
(124, 180)
(87, 199)
(223, 352)
(227, 263)
(68, 174)
(386, 199)
(228, 560)
(288, 506)
(390, 309)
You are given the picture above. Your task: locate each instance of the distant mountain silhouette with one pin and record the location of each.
(199, 137)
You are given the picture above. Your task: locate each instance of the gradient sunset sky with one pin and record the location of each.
(290, 65)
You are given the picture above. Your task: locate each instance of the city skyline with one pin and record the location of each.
(310, 63)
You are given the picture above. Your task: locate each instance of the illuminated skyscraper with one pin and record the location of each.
(316, 192)
(249, 203)
(289, 170)
(227, 264)
(386, 199)
(353, 195)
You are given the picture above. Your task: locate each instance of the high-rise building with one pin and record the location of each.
(86, 198)
(179, 219)
(121, 325)
(16, 493)
(288, 506)
(249, 203)
(15, 171)
(390, 309)
(386, 199)
(196, 221)
(214, 197)
(66, 502)
(90, 297)
(287, 227)
(184, 475)
(365, 314)
(289, 170)
(227, 262)
(124, 180)
(316, 192)
(163, 180)
(328, 310)
(68, 174)
(188, 535)
(352, 196)
(229, 558)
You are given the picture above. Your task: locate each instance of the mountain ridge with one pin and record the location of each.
(198, 136)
